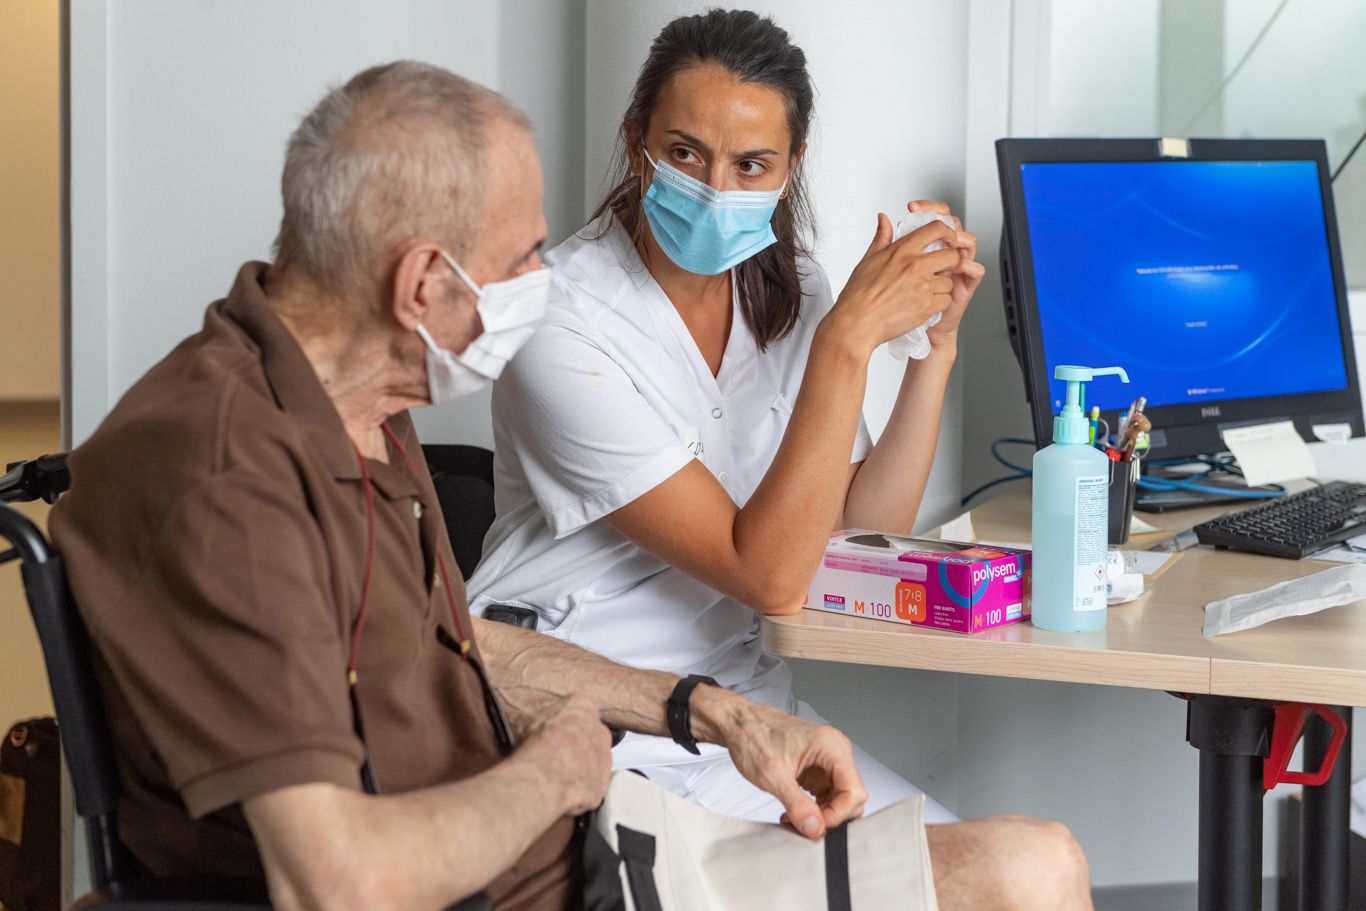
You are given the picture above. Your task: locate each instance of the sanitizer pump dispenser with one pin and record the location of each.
(1071, 516)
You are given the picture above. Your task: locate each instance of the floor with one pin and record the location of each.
(26, 430)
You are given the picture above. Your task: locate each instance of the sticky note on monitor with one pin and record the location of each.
(1169, 147)
(1269, 453)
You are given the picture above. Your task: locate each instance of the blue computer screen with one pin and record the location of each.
(1205, 280)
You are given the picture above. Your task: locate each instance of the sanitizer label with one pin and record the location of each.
(1092, 507)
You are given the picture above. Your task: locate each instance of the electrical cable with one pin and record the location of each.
(1010, 441)
(1342, 164)
(1151, 483)
(1019, 471)
(1237, 68)
(988, 485)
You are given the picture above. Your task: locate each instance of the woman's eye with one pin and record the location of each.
(683, 156)
(752, 168)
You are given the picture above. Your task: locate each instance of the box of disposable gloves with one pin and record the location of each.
(963, 588)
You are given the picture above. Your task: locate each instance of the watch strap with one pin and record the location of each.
(678, 712)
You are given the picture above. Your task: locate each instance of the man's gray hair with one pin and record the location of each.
(395, 154)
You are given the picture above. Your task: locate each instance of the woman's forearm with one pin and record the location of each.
(887, 490)
(782, 530)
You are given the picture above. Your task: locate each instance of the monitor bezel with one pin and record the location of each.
(1184, 430)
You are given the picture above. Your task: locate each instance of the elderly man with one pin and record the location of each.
(296, 688)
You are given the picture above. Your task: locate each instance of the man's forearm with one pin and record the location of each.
(532, 671)
(329, 847)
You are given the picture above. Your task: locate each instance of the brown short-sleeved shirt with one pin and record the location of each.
(215, 536)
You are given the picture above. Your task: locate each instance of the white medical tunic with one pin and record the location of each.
(610, 398)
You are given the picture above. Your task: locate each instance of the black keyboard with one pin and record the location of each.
(1294, 526)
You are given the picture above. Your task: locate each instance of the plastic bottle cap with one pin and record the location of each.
(1070, 427)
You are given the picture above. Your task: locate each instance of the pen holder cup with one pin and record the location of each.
(1123, 488)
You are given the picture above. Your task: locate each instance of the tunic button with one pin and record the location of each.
(417, 510)
(716, 412)
(723, 477)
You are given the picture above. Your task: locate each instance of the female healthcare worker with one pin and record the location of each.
(678, 441)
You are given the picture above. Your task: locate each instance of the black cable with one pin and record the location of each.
(1237, 68)
(1018, 471)
(1342, 164)
(988, 485)
(1010, 441)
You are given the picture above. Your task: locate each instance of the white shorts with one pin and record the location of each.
(718, 785)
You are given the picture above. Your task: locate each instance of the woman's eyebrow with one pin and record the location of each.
(706, 150)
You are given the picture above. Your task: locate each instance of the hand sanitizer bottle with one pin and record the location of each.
(1071, 516)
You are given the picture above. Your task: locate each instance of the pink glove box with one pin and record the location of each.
(963, 588)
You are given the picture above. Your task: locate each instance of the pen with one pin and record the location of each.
(1095, 423)
(1138, 425)
(1134, 411)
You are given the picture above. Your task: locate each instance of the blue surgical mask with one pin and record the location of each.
(704, 230)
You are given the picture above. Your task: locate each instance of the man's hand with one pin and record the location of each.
(792, 759)
(574, 749)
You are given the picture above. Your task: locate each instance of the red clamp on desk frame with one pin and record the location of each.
(1285, 736)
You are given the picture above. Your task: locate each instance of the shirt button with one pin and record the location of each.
(723, 477)
(716, 412)
(417, 510)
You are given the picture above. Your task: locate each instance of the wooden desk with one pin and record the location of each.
(1155, 643)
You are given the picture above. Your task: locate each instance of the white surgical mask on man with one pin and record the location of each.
(510, 311)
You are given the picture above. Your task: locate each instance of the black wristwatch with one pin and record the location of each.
(680, 715)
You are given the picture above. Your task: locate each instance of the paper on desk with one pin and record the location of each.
(1125, 572)
(1144, 562)
(1269, 453)
(1294, 598)
(1353, 550)
(1138, 527)
(959, 529)
(1340, 555)
(1333, 433)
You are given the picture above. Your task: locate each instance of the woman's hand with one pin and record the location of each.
(897, 285)
(966, 276)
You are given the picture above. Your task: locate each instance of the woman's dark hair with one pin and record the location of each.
(753, 49)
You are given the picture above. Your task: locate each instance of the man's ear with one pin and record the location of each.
(417, 284)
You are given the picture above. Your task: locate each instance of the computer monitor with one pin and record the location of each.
(1212, 275)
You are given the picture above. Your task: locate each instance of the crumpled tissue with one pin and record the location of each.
(1295, 598)
(1122, 584)
(916, 343)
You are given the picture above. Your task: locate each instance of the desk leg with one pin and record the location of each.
(1233, 737)
(1326, 821)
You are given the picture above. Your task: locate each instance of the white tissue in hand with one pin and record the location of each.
(916, 343)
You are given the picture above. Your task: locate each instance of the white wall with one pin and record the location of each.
(1128, 104)
(180, 114)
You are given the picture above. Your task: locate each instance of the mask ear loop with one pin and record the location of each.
(645, 155)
